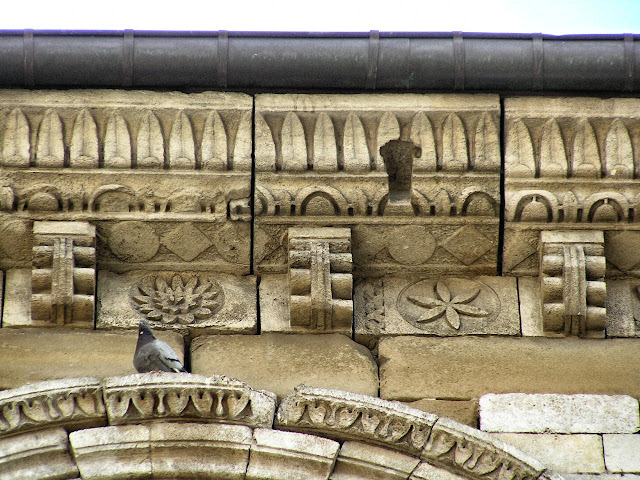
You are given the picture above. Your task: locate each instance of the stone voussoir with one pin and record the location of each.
(73, 403)
(173, 396)
(351, 416)
(42, 455)
(451, 445)
(553, 413)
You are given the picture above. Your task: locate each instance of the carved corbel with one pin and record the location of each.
(398, 158)
(573, 291)
(320, 280)
(63, 274)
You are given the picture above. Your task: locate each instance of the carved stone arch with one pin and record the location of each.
(43, 198)
(265, 202)
(422, 203)
(606, 207)
(118, 198)
(333, 196)
(483, 199)
(189, 426)
(535, 206)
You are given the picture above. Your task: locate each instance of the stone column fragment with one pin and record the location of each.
(63, 275)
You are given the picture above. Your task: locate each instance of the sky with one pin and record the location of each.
(508, 16)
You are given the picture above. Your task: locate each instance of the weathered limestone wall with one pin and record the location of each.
(405, 247)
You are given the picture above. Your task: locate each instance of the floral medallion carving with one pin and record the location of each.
(451, 302)
(184, 300)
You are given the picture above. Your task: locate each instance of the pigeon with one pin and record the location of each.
(153, 355)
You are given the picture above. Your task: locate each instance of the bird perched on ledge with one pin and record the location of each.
(153, 355)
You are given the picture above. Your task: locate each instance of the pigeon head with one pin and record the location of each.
(144, 331)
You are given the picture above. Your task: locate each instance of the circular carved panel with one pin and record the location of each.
(452, 302)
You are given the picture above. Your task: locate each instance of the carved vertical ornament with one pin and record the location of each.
(320, 279)
(572, 268)
(63, 275)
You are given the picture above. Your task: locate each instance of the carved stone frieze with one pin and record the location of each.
(103, 156)
(215, 399)
(73, 403)
(345, 415)
(183, 426)
(195, 302)
(461, 448)
(383, 165)
(320, 280)
(569, 163)
(446, 306)
(63, 278)
(573, 291)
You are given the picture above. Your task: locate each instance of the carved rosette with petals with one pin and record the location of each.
(450, 307)
(177, 301)
(450, 302)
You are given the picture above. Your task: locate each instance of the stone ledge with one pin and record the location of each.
(549, 413)
(33, 355)
(468, 367)
(280, 362)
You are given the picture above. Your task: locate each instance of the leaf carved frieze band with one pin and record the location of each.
(73, 403)
(353, 416)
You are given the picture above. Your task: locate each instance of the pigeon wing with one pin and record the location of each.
(165, 359)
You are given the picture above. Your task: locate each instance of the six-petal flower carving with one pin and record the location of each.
(451, 308)
(180, 302)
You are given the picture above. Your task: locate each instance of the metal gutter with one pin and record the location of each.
(343, 61)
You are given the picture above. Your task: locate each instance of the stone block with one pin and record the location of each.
(281, 455)
(16, 311)
(463, 411)
(192, 450)
(549, 413)
(359, 460)
(42, 455)
(530, 307)
(412, 368)
(579, 453)
(113, 453)
(622, 453)
(447, 306)
(32, 355)
(623, 308)
(279, 362)
(196, 302)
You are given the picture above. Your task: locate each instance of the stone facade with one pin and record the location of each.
(372, 260)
